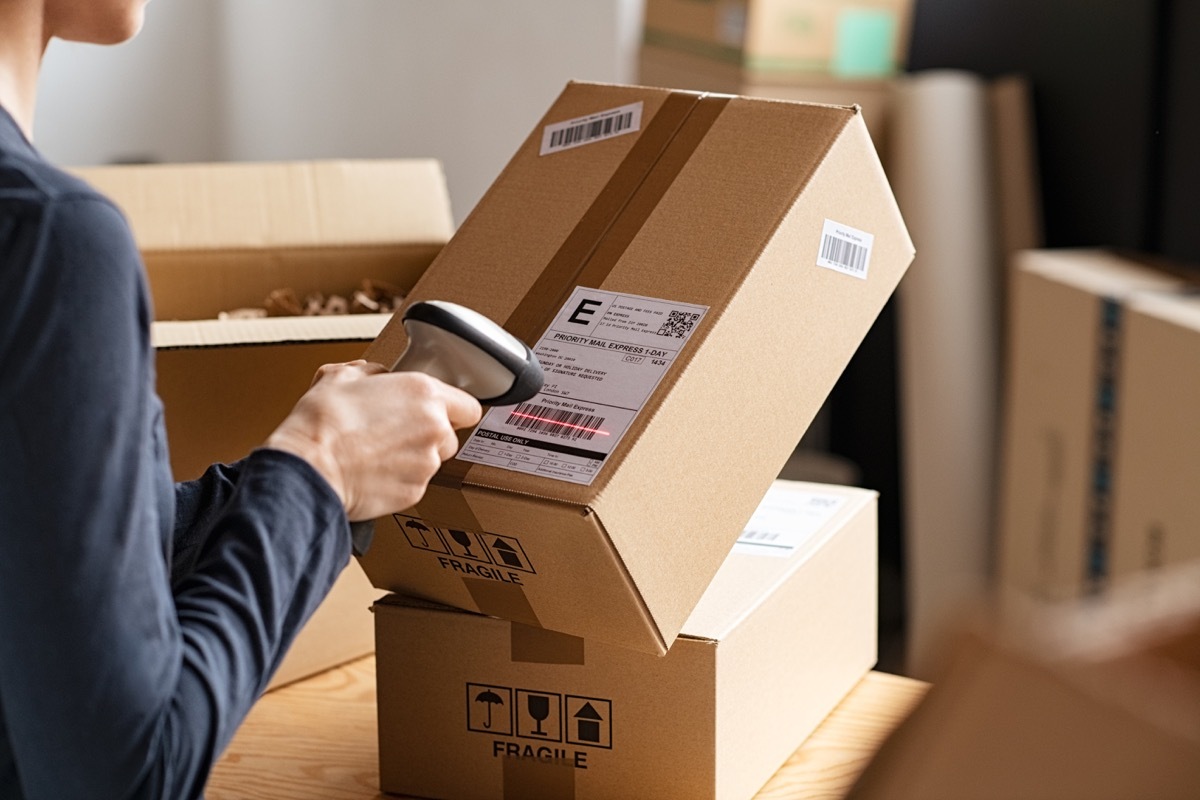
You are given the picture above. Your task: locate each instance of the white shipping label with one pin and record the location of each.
(603, 356)
(845, 249)
(784, 521)
(592, 128)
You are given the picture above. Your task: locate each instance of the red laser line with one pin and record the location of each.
(556, 422)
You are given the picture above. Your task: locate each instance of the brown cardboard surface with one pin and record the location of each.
(1156, 519)
(772, 35)
(1062, 342)
(221, 236)
(714, 201)
(679, 69)
(216, 237)
(1097, 699)
(773, 647)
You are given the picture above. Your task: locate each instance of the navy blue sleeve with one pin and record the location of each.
(126, 668)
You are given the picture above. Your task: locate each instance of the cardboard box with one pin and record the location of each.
(1062, 415)
(839, 37)
(680, 69)
(1155, 516)
(667, 267)
(218, 237)
(1096, 699)
(786, 629)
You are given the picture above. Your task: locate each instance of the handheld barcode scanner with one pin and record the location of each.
(465, 349)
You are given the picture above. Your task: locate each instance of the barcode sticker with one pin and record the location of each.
(845, 249)
(573, 425)
(785, 520)
(592, 128)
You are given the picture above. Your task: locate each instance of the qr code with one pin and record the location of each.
(678, 324)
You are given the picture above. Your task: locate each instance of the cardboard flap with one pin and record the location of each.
(178, 334)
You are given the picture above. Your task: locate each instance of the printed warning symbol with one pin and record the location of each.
(489, 709)
(539, 715)
(466, 544)
(589, 721)
(507, 551)
(420, 535)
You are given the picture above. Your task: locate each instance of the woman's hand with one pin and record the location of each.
(376, 436)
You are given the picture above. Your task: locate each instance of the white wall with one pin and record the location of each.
(151, 98)
(463, 81)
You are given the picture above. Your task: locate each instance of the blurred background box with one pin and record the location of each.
(1155, 508)
(1063, 415)
(846, 38)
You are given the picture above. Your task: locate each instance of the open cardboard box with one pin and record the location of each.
(694, 272)
(485, 707)
(219, 237)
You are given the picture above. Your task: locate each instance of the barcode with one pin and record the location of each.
(578, 134)
(845, 254)
(592, 128)
(572, 425)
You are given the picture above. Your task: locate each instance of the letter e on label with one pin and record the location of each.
(585, 309)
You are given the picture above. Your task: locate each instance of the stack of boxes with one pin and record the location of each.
(606, 593)
(694, 272)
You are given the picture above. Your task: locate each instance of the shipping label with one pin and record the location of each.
(603, 356)
(784, 521)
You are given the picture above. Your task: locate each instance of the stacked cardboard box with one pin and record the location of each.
(1098, 465)
(694, 271)
(485, 707)
(221, 237)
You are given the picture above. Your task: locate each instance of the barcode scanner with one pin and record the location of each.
(467, 350)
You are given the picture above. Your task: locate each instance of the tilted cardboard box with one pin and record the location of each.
(486, 708)
(219, 237)
(1062, 414)
(694, 272)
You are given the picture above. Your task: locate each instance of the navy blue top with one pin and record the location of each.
(139, 618)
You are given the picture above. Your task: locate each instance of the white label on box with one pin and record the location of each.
(603, 356)
(592, 128)
(845, 249)
(784, 521)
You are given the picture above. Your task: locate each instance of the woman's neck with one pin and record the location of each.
(22, 44)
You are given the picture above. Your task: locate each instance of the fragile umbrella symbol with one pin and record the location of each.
(491, 699)
(420, 529)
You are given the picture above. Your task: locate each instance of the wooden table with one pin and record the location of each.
(316, 740)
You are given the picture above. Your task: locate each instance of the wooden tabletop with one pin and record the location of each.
(316, 740)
